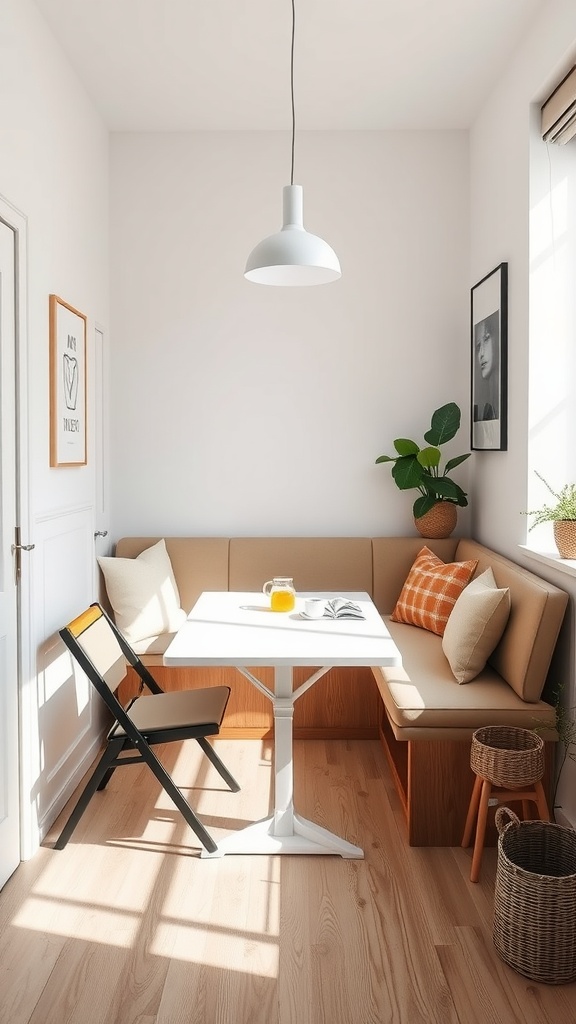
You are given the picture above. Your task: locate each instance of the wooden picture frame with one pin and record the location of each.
(489, 361)
(67, 384)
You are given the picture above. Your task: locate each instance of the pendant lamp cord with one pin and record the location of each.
(292, 90)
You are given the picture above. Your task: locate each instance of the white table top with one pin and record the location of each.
(233, 628)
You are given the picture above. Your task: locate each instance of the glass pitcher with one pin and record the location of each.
(281, 592)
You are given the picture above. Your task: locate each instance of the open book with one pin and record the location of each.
(340, 608)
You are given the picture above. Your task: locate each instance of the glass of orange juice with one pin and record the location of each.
(281, 592)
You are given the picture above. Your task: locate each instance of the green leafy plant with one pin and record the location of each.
(566, 729)
(565, 507)
(420, 467)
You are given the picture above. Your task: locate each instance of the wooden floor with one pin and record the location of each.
(128, 925)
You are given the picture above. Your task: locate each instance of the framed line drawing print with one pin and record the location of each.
(67, 384)
(489, 360)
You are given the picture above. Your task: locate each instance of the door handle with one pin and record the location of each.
(16, 548)
(101, 533)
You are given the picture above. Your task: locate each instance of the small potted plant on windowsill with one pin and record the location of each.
(563, 516)
(435, 510)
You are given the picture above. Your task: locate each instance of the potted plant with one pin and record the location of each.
(435, 510)
(566, 729)
(562, 514)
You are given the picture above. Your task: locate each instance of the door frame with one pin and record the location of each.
(18, 223)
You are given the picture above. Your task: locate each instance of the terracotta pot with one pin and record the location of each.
(439, 521)
(565, 537)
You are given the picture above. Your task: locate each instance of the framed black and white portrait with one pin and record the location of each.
(489, 342)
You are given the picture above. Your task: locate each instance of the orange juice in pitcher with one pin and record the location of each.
(281, 592)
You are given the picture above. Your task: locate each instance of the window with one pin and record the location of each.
(552, 319)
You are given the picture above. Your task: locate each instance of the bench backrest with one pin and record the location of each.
(537, 610)
(379, 566)
(315, 563)
(393, 558)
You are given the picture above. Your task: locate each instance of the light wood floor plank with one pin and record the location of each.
(469, 970)
(128, 925)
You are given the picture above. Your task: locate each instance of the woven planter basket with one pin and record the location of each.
(534, 927)
(507, 756)
(439, 521)
(565, 537)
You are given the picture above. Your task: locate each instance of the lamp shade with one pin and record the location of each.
(292, 256)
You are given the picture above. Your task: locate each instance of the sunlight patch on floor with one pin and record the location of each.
(89, 923)
(125, 891)
(226, 950)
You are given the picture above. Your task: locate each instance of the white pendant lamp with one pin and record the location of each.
(292, 256)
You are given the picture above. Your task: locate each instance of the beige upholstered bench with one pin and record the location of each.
(429, 718)
(424, 718)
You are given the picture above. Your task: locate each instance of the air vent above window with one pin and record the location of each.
(559, 111)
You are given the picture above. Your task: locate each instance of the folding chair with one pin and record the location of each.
(101, 650)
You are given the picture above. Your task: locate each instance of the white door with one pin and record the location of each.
(9, 746)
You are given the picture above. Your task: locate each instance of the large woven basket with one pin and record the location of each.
(507, 756)
(534, 927)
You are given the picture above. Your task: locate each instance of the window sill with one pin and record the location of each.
(567, 565)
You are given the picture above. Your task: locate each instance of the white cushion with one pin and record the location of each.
(143, 593)
(475, 626)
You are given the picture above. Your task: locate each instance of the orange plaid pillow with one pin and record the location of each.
(430, 591)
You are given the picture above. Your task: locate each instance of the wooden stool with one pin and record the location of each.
(509, 765)
(485, 795)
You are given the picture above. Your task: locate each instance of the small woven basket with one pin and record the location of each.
(439, 522)
(507, 756)
(534, 927)
(565, 537)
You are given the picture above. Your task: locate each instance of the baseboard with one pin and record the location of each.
(62, 798)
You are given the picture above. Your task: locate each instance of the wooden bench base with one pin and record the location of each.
(433, 777)
(434, 781)
(344, 704)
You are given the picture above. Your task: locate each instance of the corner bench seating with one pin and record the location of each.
(424, 718)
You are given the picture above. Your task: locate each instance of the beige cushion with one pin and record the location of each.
(179, 709)
(198, 563)
(423, 694)
(475, 626)
(153, 645)
(524, 653)
(143, 593)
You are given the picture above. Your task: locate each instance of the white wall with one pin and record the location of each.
(500, 143)
(54, 168)
(240, 409)
(502, 140)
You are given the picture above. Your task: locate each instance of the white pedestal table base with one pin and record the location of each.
(307, 837)
(285, 831)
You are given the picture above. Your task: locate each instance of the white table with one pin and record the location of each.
(239, 629)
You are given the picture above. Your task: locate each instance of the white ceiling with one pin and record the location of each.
(183, 65)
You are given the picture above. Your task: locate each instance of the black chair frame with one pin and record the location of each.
(131, 739)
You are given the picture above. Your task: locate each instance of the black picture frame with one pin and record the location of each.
(489, 362)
